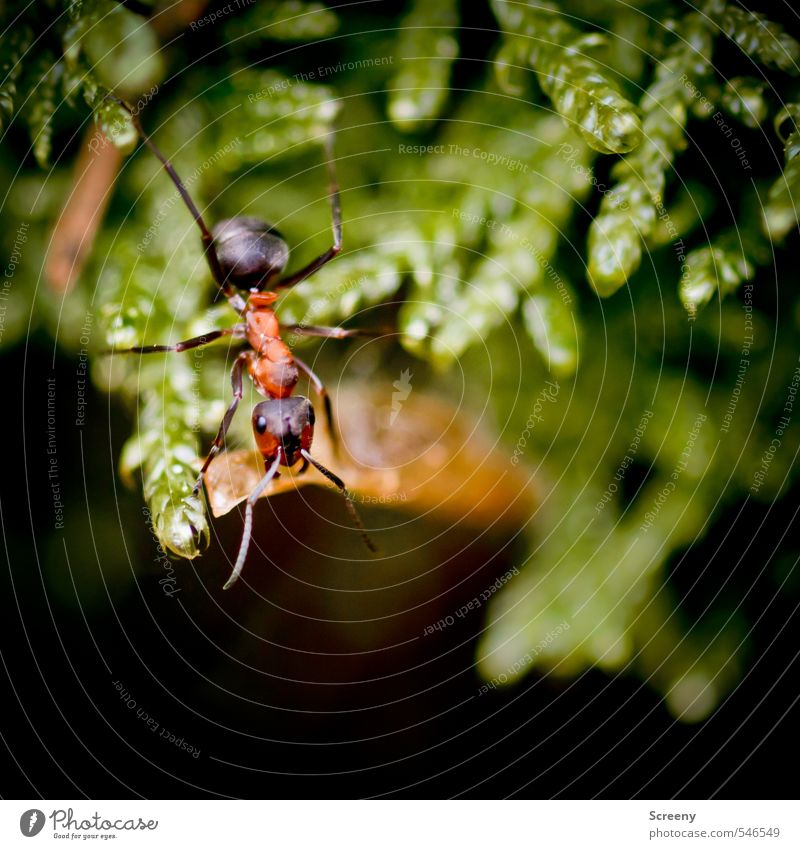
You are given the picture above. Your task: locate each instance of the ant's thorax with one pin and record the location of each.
(271, 366)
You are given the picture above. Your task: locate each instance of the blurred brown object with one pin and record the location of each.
(75, 230)
(432, 457)
(170, 16)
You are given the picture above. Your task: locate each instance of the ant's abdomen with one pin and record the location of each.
(251, 252)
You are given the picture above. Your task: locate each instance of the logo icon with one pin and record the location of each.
(31, 822)
(402, 391)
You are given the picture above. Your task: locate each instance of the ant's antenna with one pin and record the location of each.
(228, 291)
(339, 483)
(248, 522)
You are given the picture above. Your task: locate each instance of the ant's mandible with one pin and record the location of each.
(247, 257)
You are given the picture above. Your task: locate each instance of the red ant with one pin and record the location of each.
(248, 255)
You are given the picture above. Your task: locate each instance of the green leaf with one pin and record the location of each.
(720, 267)
(628, 214)
(119, 47)
(550, 320)
(761, 38)
(168, 454)
(13, 55)
(539, 36)
(426, 47)
(780, 213)
(282, 20)
(43, 104)
(744, 98)
(273, 115)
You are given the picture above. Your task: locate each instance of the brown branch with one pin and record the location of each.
(76, 228)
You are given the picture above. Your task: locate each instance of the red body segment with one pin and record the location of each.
(268, 444)
(272, 367)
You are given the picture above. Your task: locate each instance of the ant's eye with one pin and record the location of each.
(311, 416)
(261, 424)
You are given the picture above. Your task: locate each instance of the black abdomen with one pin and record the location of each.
(251, 252)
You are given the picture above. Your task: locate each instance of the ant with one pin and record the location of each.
(247, 258)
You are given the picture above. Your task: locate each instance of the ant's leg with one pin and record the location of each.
(186, 345)
(236, 383)
(228, 291)
(339, 484)
(335, 332)
(326, 402)
(336, 216)
(248, 522)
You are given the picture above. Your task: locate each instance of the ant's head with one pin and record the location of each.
(286, 423)
(251, 252)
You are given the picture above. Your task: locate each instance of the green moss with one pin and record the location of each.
(581, 91)
(467, 206)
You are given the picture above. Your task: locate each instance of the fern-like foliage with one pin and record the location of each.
(593, 145)
(581, 91)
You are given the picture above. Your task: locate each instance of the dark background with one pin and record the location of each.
(391, 712)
